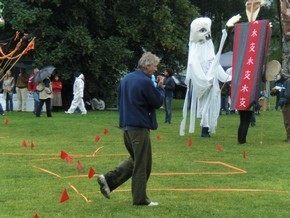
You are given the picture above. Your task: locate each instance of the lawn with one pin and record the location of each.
(213, 177)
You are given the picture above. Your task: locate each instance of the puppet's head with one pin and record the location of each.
(200, 30)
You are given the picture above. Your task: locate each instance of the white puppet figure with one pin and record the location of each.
(203, 75)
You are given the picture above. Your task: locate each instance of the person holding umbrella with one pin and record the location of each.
(45, 90)
(45, 95)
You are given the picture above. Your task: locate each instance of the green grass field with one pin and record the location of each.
(215, 177)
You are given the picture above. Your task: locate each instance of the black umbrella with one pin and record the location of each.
(44, 73)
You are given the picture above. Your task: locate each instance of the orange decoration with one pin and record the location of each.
(31, 145)
(219, 147)
(97, 138)
(158, 137)
(63, 154)
(106, 131)
(189, 142)
(91, 173)
(64, 197)
(79, 167)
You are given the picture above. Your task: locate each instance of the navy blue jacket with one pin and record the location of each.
(137, 101)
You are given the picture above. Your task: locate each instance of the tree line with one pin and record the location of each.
(105, 38)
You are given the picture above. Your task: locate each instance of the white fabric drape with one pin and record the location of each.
(202, 79)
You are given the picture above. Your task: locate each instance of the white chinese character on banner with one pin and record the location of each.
(254, 33)
(245, 88)
(250, 61)
(247, 75)
(252, 47)
(242, 102)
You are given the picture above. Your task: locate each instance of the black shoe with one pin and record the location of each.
(105, 190)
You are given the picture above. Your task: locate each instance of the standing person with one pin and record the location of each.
(56, 93)
(31, 87)
(45, 95)
(8, 85)
(277, 89)
(78, 92)
(137, 101)
(21, 89)
(169, 86)
(285, 105)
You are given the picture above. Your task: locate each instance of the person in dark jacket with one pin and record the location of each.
(284, 102)
(169, 86)
(137, 101)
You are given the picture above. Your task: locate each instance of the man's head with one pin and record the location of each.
(36, 70)
(148, 63)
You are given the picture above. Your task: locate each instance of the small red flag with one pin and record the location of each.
(219, 147)
(79, 167)
(63, 154)
(24, 144)
(97, 138)
(244, 155)
(36, 216)
(69, 159)
(189, 142)
(106, 131)
(31, 145)
(64, 197)
(91, 173)
(158, 137)
(6, 121)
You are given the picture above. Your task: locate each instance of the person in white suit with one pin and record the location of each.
(78, 92)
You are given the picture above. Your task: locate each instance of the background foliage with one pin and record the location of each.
(105, 38)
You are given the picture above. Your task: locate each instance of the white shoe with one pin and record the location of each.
(152, 204)
(84, 113)
(104, 188)
(67, 112)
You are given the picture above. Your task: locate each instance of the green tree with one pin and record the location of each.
(102, 38)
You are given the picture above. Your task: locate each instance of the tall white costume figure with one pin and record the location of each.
(203, 75)
(78, 92)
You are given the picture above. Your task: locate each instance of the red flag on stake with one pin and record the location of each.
(24, 144)
(106, 131)
(97, 138)
(64, 197)
(68, 159)
(219, 147)
(244, 155)
(63, 154)
(91, 173)
(36, 216)
(6, 121)
(158, 137)
(189, 142)
(31, 145)
(79, 167)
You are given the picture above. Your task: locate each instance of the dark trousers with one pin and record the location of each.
(47, 104)
(138, 165)
(168, 109)
(245, 119)
(9, 102)
(224, 104)
(286, 119)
